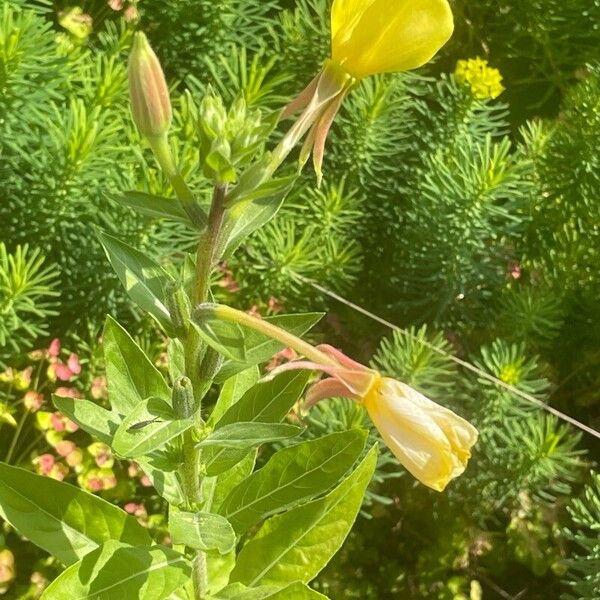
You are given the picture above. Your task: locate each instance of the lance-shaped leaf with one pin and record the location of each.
(292, 475)
(145, 281)
(150, 425)
(202, 531)
(294, 591)
(298, 544)
(266, 402)
(130, 374)
(165, 483)
(61, 518)
(233, 389)
(155, 207)
(119, 571)
(244, 436)
(226, 338)
(216, 489)
(227, 446)
(248, 215)
(259, 348)
(94, 419)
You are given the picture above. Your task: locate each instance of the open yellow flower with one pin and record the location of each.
(381, 36)
(367, 37)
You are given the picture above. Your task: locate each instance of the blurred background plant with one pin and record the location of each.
(459, 202)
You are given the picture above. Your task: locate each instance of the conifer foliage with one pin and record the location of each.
(471, 221)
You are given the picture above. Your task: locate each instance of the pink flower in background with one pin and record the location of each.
(274, 305)
(70, 426)
(57, 423)
(65, 448)
(33, 401)
(116, 4)
(131, 14)
(44, 463)
(65, 372)
(66, 392)
(137, 510)
(54, 348)
(99, 388)
(285, 355)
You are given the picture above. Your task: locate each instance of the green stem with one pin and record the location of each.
(16, 435)
(200, 365)
(226, 313)
(209, 244)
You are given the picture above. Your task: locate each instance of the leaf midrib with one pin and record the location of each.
(327, 508)
(291, 483)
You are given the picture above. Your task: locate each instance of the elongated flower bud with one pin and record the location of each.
(150, 102)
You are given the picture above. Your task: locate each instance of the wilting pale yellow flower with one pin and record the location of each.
(485, 81)
(430, 441)
(433, 443)
(380, 36)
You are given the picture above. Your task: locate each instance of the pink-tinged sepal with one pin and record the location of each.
(327, 388)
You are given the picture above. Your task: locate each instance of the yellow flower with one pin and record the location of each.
(485, 81)
(381, 36)
(367, 37)
(433, 443)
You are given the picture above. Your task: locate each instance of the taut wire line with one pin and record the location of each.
(463, 363)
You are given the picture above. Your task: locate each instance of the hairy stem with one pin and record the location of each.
(200, 366)
(209, 244)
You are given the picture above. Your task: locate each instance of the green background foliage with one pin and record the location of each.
(471, 223)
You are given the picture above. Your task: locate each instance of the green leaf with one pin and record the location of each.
(248, 215)
(266, 402)
(224, 337)
(216, 489)
(145, 281)
(130, 374)
(176, 358)
(155, 207)
(244, 436)
(165, 483)
(294, 591)
(150, 425)
(219, 567)
(292, 475)
(116, 571)
(63, 519)
(259, 348)
(298, 544)
(233, 389)
(94, 419)
(202, 531)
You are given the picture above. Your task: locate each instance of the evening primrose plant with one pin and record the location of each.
(236, 531)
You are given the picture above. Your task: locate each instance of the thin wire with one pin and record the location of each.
(510, 388)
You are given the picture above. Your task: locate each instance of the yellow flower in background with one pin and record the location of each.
(433, 443)
(485, 81)
(381, 36)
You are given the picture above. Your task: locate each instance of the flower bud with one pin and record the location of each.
(183, 398)
(149, 94)
(178, 305)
